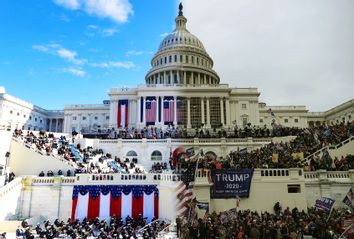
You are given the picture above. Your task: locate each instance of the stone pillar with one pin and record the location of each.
(192, 78)
(171, 78)
(50, 125)
(222, 111)
(188, 112)
(144, 111)
(178, 77)
(208, 113)
(139, 110)
(164, 78)
(79, 123)
(227, 109)
(205, 81)
(202, 109)
(175, 110)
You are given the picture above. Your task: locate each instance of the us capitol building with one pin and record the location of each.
(180, 89)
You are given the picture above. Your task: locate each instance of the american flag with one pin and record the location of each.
(150, 110)
(168, 110)
(185, 190)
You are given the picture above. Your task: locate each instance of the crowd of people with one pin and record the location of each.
(273, 155)
(171, 131)
(114, 227)
(291, 154)
(280, 224)
(84, 160)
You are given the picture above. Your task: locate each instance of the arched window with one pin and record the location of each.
(132, 156)
(156, 156)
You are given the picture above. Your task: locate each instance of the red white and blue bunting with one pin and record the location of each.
(104, 201)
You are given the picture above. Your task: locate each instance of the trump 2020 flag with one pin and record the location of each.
(324, 203)
(105, 201)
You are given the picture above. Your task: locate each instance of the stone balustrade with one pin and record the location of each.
(10, 186)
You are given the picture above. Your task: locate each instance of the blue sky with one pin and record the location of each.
(58, 52)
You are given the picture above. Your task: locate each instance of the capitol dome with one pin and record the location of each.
(181, 59)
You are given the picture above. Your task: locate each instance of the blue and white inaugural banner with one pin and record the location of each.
(230, 183)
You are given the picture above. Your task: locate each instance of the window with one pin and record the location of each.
(107, 117)
(24, 116)
(74, 117)
(156, 155)
(96, 118)
(296, 120)
(40, 121)
(192, 59)
(165, 59)
(181, 58)
(244, 121)
(10, 111)
(175, 58)
(286, 120)
(35, 119)
(244, 106)
(294, 188)
(30, 117)
(83, 117)
(260, 120)
(186, 59)
(18, 114)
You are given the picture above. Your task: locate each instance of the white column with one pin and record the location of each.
(202, 109)
(175, 110)
(205, 81)
(227, 106)
(208, 113)
(164, 78)
(188, 112)
(222, 111)
(178, 77)
(171, 78)
(50, 125)
(144, 111)
(138, 111)
(191, 81)
(79, 123)
(56, 125)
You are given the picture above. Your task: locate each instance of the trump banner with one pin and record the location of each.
(324, 203)
(230, 183)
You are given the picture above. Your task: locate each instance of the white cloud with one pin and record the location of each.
(295, 52)
(93, 30)
(137, 53)
(108, 32)
(71, 4)
(114, 64)
(164, 34)
(41, 48)
(58, 50)
(117, 10)
(76, 71)
(134, 53)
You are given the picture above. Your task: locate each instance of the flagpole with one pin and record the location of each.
(350, 226)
